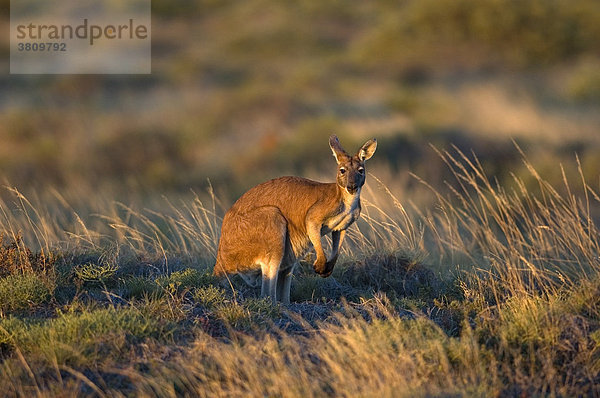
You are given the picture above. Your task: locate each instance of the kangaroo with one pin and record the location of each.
(273, 224)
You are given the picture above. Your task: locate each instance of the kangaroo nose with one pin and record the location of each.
(352, 188)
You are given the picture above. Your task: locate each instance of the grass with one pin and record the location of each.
(494, 291)
(476, 278)
(247, 104)
(83, 337)
(19, 292)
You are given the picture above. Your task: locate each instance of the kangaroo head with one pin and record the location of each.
(351, 169)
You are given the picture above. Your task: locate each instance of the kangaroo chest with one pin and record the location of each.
(346, 214)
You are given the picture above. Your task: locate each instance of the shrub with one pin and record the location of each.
(95, 274)
(311, 287)
(23, 291)
(209, 296)
(234, 314)
(16, 257)
(584, 83)
(392, 274)
(138, 286)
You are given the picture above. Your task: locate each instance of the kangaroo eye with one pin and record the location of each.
(342, 170)
(361, 170)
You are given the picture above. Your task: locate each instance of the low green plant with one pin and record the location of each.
(169, 305)
(96, 273)
(262, 308)
(246, 313)
(233, 314)
(139, 286)
(391, 273)
(84, 336)
(209, 296)
(186, 279)
(309, 287)
(23, 291)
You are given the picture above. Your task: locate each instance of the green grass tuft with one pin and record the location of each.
(186, 279)
(83, 337)
(209, 296)
(96, 273)
(139, 287)
(24, 291)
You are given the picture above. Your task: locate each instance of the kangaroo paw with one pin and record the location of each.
(320, 265)
(328, 267)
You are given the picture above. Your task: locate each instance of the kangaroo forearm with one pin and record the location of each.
(337, 237)
(314, 234)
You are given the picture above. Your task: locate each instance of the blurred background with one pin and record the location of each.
(243, 91)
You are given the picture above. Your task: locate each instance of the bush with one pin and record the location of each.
(391, 274)
(584, 83)
(96, 274)
(514, 33)
(16, 257)
(209, 296)
(20, 292)
(138, 287)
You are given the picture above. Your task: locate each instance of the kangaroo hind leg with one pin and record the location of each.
(284, 282)
(270, 240)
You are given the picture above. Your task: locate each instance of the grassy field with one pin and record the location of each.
(492, 292)
(241, 105)
(473, 271)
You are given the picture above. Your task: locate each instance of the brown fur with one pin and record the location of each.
(274, 223)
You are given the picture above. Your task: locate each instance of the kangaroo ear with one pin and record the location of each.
(336, 148)
(367, 150)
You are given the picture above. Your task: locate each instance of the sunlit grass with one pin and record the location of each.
(473, 277)
(493, 291)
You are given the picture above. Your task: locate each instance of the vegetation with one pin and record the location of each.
(515, 311)
(474, 268)
(474, 73)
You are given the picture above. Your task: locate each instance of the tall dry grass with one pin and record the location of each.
(528, 240)
(517, 311)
